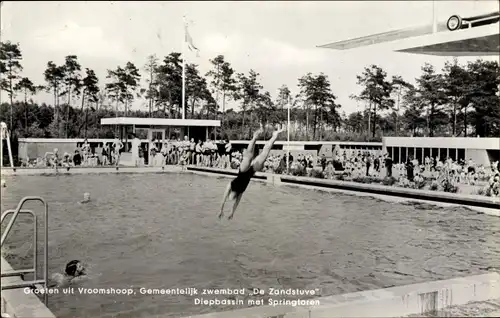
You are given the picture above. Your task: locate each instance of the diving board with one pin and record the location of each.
(383, 37)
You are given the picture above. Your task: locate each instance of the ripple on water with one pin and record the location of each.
(161, 231)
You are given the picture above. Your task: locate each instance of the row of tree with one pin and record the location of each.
(458, 101)
(453, 102)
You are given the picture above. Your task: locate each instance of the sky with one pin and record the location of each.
(276, 39)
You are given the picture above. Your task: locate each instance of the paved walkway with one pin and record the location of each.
(490, 308)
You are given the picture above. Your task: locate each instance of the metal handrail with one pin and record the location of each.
(46, 242)
(35, 246)
(470, 21)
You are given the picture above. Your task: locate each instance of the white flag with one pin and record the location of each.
(189, 41)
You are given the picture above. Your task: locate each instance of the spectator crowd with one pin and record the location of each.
(369, 167)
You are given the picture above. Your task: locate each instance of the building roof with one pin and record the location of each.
(443, 142)
(160, 122)
(313, 143)
(260, 142)
(475, 41)
(383, 37)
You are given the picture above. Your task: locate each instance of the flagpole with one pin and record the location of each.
(184, 69)
(288, 140)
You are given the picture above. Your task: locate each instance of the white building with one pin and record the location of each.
(480, 150)
(473, 36)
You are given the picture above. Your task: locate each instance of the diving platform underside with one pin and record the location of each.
(475, 41)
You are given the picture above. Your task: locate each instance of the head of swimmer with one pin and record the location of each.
(75, 268)
(86, 197)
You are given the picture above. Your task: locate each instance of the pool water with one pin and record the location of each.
(162, 231)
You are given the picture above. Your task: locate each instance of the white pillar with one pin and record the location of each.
(288, 140)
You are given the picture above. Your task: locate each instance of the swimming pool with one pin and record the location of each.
(161, 231)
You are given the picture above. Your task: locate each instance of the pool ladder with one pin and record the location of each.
(35, 283)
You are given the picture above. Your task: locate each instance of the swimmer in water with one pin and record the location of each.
(248, 167)
(75, 271)
(86, 198)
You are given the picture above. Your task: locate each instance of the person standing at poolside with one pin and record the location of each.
(376, 164)
(409, 169)
(248, 167)
(191, 152)
(164, 153)
(221, 153)
(198, 149)
(228, 147)
(175, 151)
(213, 153)
(323, 162)
(170, 151)
(104, 154)
(185, 144)
(140, 161)
(55, 159)
(117, 146)
(86, 152)
(153, 151)
(136, 143)
(205, 150)
(388, 165)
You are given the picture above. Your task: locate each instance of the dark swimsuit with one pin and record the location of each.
(240, 183)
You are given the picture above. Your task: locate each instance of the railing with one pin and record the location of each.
(480, 20)
(36, 283)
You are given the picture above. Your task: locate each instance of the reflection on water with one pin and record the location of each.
(162, 231)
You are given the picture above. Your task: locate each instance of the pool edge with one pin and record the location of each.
(486, 205)
(401, 301)
(87, 170)
(17, 303)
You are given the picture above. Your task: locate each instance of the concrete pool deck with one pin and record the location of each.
(16, 303)
(417, 299)
(489, 308)
(480, 204)
(460, 199)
